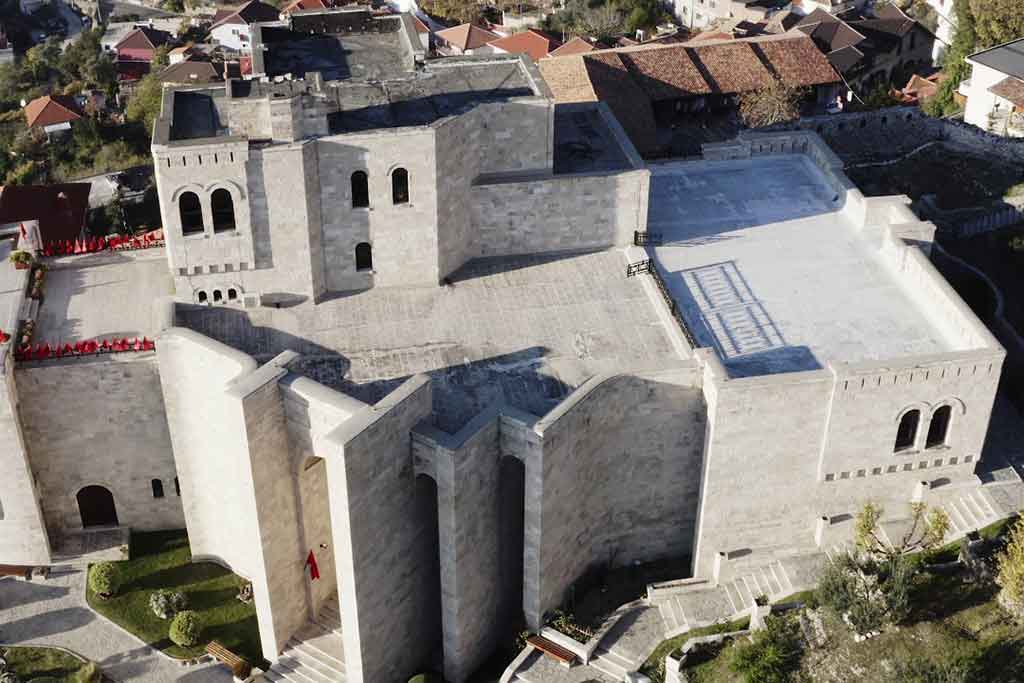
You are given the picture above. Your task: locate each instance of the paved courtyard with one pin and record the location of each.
(53, 612)
(524, 330)
(771, 275)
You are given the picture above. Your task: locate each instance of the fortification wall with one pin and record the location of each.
(403, 236)
(616, 480)
(23, 536)
(99, 421)
(536, 214)
(384, 521)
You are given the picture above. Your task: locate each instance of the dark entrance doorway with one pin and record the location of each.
(96, 505)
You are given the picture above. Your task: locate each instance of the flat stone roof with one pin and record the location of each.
(525, 330)
(583, 141)
(768, 272)
(112, 299)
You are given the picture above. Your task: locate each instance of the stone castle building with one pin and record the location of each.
(395, 328)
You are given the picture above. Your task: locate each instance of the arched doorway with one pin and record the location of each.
(96, 505)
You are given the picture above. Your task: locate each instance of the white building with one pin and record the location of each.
(995, 90)
(231, 28)
(946, 27)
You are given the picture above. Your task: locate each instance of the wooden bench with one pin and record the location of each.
(16, 570)
(552, 650)
(239, 667)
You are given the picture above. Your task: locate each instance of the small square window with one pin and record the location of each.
(229, 267)
(861, 473)
(844, 475)
(968, 458)
(876, 470)
(830, 477)
(243, 266)
(182, 271)
(922, 465)
(214, 268)
(197, 270)
(953, 461)
(937, 462)
(908, 467)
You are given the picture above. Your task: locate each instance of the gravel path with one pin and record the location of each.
(53, 612)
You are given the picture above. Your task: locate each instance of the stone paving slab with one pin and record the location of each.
(53, 612)
(526, 331)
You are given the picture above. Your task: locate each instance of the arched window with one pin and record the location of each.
(399, 186)
(217, 296)
(232, 294)
(360, 190)
(191, 213)
(223, 209)
(202, 296)
(364, 256)
(938, 428)
(906, 435)
(158, 488)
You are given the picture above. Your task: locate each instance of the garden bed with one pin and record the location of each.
(162, 561)
(33, 663)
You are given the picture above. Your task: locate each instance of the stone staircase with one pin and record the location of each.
(970, 511)
(316, 653)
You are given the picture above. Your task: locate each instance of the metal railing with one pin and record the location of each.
(647, 266)
(642, 239)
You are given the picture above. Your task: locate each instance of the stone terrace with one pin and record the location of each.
(526, 330)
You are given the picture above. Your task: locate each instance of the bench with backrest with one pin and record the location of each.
(239, 667)
(552, 649)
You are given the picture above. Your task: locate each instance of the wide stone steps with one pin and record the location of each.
(610, 663)
(971, 511)
(316, 654)
(770, 581)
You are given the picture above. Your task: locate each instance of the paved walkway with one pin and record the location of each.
(53, 612)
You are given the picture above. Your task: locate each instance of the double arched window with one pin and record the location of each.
(223, 209)
(938, 428)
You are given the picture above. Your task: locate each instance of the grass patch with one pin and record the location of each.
(46, 662)
(162, 560)
(654, 667)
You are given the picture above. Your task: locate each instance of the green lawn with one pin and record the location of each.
(46, 662)
(161, 560)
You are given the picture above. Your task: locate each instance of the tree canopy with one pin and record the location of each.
(997, 21)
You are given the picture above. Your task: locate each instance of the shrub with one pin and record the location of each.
(867, 594)
(1010, 576)
(773, 654)
(917, 670)
(90, 673)
(185, 629)
(165, 604)
(9, 677)
(104, 579)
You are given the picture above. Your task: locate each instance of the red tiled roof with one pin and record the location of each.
(250, 13)
(576, 46)
(60, 209)
(1011, 89)
(531, 42)
(666, 74)
(797, 61)
(614, 86)
(467, 36)
(143, 38)
(51, 110)
(300, 5)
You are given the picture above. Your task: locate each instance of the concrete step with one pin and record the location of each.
(607, 665)
(306, 649)
(295, 670)
(313, 668)
(668, 615)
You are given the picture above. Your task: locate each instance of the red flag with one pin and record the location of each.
(314, 571)
(24, 234)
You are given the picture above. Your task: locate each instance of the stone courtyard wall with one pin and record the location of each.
(23, 537)
(99, 421)
(515, 215)
(614, 480)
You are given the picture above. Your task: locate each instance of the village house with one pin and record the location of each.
(995, 89)
(54, 114)
(232, 28)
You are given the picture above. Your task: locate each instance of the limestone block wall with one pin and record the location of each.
(311, 412)
(385, 554)
(466, 467)
(99, 421)
(616, 480)
(403, 237)
(528, 215)
(23, 535)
